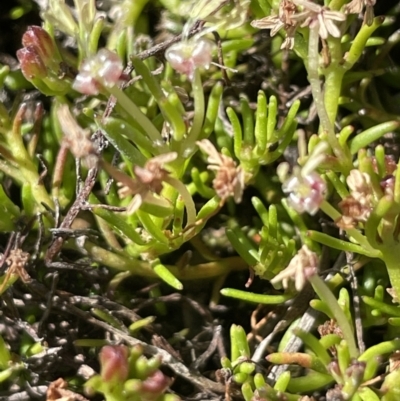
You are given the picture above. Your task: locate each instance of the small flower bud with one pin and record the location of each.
(32, 65)
(41, 62)
(38, 38)
(186, 56)
(114, 363)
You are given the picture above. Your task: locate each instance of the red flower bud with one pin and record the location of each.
(114, 363)
(37, 37)
(32, 65)
(157, 383)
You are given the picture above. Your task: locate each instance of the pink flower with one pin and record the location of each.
(102, 70)
(306, 192)
(186, 56)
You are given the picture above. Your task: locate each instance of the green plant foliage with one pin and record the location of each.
(166, 158)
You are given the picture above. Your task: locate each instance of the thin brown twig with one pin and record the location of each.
(56, 245)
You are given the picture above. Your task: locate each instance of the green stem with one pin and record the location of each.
(328, 209)
(199, 110)
(326, 295)
(187, 199)
(333, 79)
(194, 272)
(359, 43)
(27, 167)
(391, 259)
(135, 112)
(326, 120)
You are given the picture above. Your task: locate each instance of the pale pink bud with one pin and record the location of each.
(104, 69)
(186, 56)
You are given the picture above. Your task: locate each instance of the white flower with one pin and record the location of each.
(306, 188)
(306, 193)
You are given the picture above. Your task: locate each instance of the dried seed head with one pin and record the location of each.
(147, 182)
(360, 187)
(284, 20)
(352, 212)
(358, 206)
(356, 7)
(153, 173)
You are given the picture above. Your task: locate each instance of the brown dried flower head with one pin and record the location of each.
(284, 20)
(358, 206)
(360, 187)
(148, 178)
(230, 178)
(357, 6)
(352, 212)
(290, 18)
(147, 182)
(58, 391)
